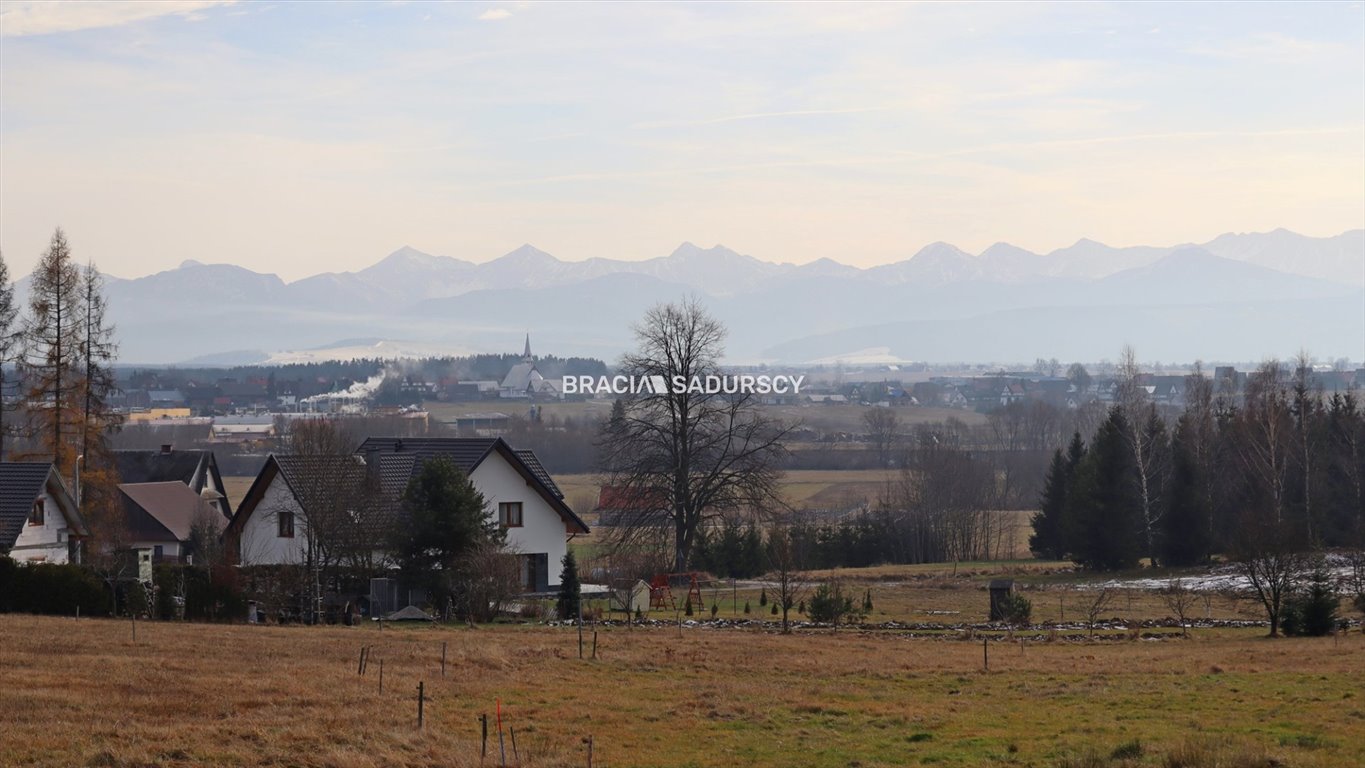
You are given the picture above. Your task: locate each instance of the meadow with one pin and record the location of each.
(84, 693)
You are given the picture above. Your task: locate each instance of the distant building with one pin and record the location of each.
(525, 381)
(194, 468)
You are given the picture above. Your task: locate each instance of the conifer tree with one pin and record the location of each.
(1048, 540)
(1104, 517)
(570, 589)
(1185, 528)
(52, 345)
(9, 340)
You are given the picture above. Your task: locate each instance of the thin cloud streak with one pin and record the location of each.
(22, 19)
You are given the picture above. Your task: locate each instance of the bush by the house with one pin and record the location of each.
(52, 589)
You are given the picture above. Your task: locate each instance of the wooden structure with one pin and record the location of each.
(661, 591)
(1001, 591)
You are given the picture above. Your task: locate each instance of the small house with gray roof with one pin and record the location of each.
(39, 522)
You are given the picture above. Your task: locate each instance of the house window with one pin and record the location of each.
(286, 521)
(158, 551)
(36, 516)
(509, 514)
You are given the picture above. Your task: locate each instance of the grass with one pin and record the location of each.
(81, 693)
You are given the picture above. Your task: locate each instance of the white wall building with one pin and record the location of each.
(39, 522)
(271, 524)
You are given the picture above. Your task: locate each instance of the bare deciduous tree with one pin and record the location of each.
(1182, 601)
(697, 453)
(1097, 607)
(1146, 437)
(786, 561)
(883, 429)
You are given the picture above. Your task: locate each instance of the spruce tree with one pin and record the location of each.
(1048, 540)
(570, 589)
(1185, 528)
(1104, 510)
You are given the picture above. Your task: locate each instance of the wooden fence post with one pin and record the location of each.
(483, 737)
(421, 699)
(381, 676)
(986, 654)
(443, 658)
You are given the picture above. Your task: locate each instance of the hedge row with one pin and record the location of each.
(52, 589)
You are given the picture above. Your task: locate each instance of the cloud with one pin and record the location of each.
(23, 18)
(495, 14)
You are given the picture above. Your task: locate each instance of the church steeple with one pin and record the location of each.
(526, 355)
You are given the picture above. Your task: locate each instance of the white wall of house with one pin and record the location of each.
(542, 529)
(261, 543)
(168, 548)
(46, 543)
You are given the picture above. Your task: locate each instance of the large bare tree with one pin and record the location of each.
(9, 340)
(693, 454)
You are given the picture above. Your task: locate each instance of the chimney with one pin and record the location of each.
(165, 448)
(372, 464)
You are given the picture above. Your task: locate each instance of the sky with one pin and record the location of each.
(298, 138)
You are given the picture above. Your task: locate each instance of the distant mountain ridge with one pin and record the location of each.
(775, 311)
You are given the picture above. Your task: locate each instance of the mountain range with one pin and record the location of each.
(1236, 297)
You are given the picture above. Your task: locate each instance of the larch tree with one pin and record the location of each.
(9, 341)
(51, 359)
(97, 351)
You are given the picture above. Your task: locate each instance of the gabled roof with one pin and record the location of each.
(618, 498)
(528, 457)
(162, 511)
(20, 483)
(183, 466)
(468, 453)
(399, 460)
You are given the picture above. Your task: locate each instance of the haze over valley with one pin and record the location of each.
(1236, 297)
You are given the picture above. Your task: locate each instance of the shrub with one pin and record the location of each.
(1313, 612)
(746, 607)
(1016, 609)
(50, 589)
(831, 605)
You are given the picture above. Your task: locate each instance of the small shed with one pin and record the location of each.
(1001, 591)
(630, 597)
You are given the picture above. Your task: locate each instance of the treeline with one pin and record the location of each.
(1282, 466)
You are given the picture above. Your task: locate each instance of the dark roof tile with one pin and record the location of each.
(20, 484)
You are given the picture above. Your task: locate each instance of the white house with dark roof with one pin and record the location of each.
(271, 522)
(39, 522)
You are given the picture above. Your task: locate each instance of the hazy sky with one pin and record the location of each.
(299, 137)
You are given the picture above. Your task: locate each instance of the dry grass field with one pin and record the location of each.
(82, 693)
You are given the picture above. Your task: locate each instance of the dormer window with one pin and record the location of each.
(36, 515)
